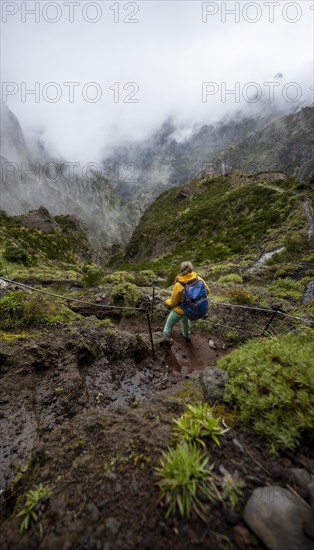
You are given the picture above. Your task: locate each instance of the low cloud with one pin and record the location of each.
(127, 78)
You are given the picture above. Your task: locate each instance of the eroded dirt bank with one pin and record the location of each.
(56, 375)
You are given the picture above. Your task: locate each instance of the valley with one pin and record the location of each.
(89, 408)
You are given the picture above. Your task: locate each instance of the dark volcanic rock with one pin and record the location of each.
(279, 518)
(213, 381)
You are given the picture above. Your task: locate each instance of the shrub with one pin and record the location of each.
(119, 277)
(126, 293)
(171, 276)
(231, 278)
(92, 276)
(144, 278)
(272, 384)
(16, 254)
(241, 296)
(197, 423)
(184, 475)
(18, 309)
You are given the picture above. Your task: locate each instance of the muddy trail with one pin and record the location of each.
(87, 412)
(58, 373)
(183, 357)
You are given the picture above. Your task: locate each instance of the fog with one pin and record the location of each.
(148, 62)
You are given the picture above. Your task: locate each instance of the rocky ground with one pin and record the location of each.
(87, 412)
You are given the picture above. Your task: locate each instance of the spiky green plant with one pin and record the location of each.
(197, 423)
(184, 473)
(36, 500)
(12, 303)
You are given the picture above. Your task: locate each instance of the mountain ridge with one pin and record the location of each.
(29, 181)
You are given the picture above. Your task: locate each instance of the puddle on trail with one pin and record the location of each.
(186, 357)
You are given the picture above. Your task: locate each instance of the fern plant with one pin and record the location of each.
(197, 423)
(184, 474)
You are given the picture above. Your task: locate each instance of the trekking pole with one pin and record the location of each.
(269, 322)
(151, 335)
(153, 304)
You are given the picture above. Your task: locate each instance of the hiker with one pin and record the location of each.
(188, 301)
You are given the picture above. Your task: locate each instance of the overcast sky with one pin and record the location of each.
(163, 51)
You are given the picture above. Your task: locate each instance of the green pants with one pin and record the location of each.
(172, 319)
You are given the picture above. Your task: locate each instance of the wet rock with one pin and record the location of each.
(308, 293)
(311, 493)
(6, 355)
(301, 477)
(213, 381)
(278, 518)
(41, 219)
(3, 283)
(212, 344)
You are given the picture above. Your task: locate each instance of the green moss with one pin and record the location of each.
(287, 288)
(11, 336)
(118, 277)
(144, 278)
(272, 384)
(127, 294)
(230, 278)
(105, 323)
(242, 296)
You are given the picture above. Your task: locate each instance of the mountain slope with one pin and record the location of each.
(59, 188)
(285, 144)
(219, 218)
(142, 170)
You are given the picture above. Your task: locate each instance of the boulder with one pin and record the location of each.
(279, 518)
(213, 381)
